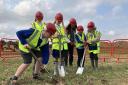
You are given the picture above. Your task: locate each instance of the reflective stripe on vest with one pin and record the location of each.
(81, 39)
(96, 51)
(33, 39)
(33, 43)
(39, 27)
(55, 41)
(92, 36)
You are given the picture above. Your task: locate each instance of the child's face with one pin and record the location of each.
(47, 34)
(91, 29)
(58, 22)
(72, 25)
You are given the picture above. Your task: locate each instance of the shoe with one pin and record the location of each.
(61, 71)
(12, 81)
(36, 77)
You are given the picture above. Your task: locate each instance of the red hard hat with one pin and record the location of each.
(39, 16)
(90, 25)
(80, 28)
(73, 21)
(51, 28)
(59, 17)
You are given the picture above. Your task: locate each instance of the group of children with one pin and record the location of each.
(64, 39)
(81, 41)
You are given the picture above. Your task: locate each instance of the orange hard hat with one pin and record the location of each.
(80, 28)
(39, 16)
(91, 25)
(51, 28)
(72, 21)
(59, 17)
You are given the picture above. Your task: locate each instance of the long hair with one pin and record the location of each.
(70, 29)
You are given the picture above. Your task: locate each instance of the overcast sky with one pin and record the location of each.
(110, 16)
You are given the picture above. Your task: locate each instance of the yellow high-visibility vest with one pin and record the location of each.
(56, 42)
(33, 39)
(90, 37)
(81, 39)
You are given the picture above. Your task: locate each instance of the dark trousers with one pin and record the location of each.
(69, 58)
(80, 53)
(56, 55)
(94, 60)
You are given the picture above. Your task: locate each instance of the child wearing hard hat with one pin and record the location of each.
(59, 46)
(93, 40)
(71, 30)
(80, 45)
(34, 39)
(40, 25)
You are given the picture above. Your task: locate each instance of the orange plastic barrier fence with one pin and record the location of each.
(120, 50)
(105, 50)
(8, 49)
(116, 50)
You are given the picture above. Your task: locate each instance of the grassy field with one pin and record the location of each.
(108, 74)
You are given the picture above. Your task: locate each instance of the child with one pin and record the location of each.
(80, 42)
(44, 50)
(32, 42)
(93, 40)
(59, 45)
(71, 30)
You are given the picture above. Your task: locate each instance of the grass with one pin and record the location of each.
(108, 74)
